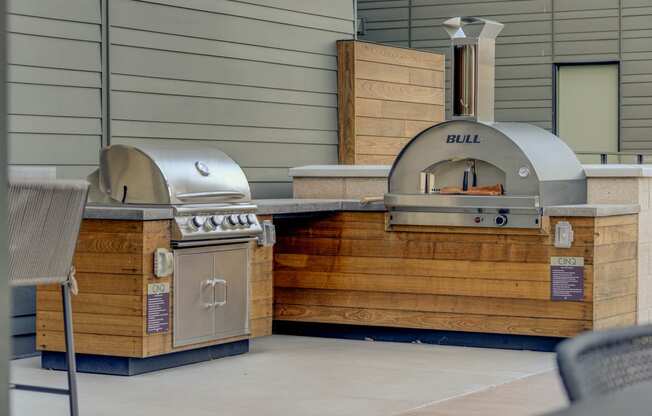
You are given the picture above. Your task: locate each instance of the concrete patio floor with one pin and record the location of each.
(315, 376)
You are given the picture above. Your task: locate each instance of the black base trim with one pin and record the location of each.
(424, 336)
(126, 366)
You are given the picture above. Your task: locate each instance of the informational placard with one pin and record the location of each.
(158, 307)
(567, 278)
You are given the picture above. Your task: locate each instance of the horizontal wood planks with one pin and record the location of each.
(114, 262)
(262, 289)
(347, 268)
(386, 96)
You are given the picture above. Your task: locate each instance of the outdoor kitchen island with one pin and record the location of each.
(350, 267)
(173, 266)
(484, 228)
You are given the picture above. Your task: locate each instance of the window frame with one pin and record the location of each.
(555, 77)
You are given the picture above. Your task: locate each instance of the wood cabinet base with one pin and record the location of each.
(347, 268)
(114, 262)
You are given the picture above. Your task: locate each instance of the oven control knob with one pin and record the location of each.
(195, 223)
(243, 219)
(500, 220)
(251, 218)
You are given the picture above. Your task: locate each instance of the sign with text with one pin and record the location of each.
(158, 307)
(567, 278)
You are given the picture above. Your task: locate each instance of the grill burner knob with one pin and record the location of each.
(251, 218)
(243, 219)
(232, 220)
(501, 220)
(215, 221)
(195, 223)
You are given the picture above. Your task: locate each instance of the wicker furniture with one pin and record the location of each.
(601, 362)
(44, 220)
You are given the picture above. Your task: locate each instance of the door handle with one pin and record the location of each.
(223, 282)
(202, 289)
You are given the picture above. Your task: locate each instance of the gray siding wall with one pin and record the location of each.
(257, 77)
(539, 33)
(54, 105)
(54, 89)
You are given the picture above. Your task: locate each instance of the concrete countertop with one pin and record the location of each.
(382, 171)
(341, 171)
(130, 213)
(590, 210)
(618, 171)
(265, 207)
(296, 206)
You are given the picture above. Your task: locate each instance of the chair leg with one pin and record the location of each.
(70, 350)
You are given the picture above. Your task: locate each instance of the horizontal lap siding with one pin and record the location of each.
(636, 128)
(537, 34)
(54, 104)
(54, 84)
(258, 77)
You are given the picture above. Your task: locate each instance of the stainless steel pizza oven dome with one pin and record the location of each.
(472, 171)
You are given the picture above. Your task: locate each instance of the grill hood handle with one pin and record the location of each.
(211, 194)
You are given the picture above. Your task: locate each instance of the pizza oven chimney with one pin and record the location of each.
(473, 67)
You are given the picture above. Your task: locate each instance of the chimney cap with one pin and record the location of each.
(472, 27)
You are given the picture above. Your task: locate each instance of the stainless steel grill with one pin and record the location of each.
(206, 189)
(214, 221)
(472, 171)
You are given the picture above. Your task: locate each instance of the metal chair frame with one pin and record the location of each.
(71, 391)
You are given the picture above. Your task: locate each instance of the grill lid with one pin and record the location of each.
(171, 174)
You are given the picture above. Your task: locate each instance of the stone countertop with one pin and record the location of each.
(591, 210)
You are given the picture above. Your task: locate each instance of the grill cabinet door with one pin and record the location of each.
(231, 291)
(194, 318)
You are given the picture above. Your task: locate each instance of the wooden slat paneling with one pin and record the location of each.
(114, 260)
(385, 92)
(348, 268)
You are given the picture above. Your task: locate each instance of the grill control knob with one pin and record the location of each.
(251, 218)
(211, 224)
(243, 219)
(500, 220)
(215, 221)
(232, 220)
(195, 223)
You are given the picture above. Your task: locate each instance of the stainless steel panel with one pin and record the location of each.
(209, 243)
(171, 173)
(194, 317)
(459, 219)
(461, 201)
(211, 292)
(473, 66)
(231, 294)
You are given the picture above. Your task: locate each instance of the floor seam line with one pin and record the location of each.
(484, 388)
